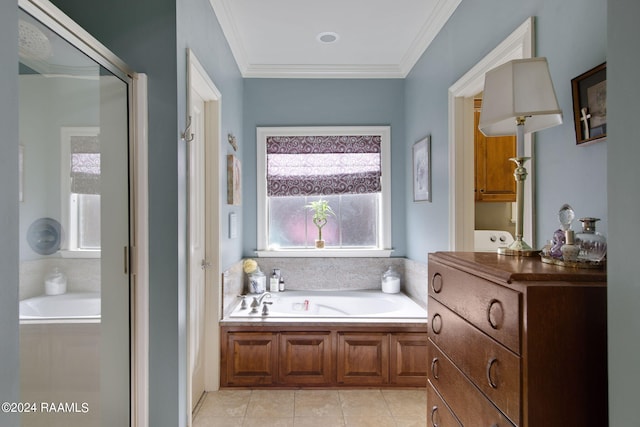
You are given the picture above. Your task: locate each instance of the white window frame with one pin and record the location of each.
(69, 222)
(384, 225)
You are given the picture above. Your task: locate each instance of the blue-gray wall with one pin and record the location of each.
(324, 102)
(572, 35)
(9, 250)
(623, 156)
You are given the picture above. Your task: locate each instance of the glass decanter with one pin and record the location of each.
(593, 245)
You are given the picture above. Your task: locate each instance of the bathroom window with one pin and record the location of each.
(348, 167)
(80, 166)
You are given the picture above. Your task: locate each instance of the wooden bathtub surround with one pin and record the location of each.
(337, 355)
(515, 342)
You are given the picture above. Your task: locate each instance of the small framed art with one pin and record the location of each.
(234, 187)
(422, 170)
(589, 91)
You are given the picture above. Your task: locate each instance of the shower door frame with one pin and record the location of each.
(136, 258)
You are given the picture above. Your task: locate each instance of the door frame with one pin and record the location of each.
(197, 77)
(518, 45)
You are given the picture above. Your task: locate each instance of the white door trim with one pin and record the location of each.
(199, 80)
(520, 44)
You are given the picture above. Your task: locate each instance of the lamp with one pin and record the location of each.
(519, 98)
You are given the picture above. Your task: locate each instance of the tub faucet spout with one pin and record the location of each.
(257, 301)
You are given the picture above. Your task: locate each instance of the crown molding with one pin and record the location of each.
(441, 14)
(442, 11)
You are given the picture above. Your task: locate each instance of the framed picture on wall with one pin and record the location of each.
(422, 170)
(234, 188)
(589, 92)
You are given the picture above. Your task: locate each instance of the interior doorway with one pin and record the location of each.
(204, 287)
(518, 45)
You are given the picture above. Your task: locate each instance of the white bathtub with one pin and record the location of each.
(347, 305)
(72, 305)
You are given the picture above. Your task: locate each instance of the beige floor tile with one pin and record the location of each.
(318, 421)
(363, 403)
(268, 422)
(318, 403)
(360, 421)
(228, 403)
(405, 422)
(210, 420)
(271, 404)
(406, 403)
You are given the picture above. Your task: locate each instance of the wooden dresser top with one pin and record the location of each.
(511, 269)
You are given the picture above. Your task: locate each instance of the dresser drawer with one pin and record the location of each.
(493, 368)
(492, 308)
(438, 413)
(469, 405)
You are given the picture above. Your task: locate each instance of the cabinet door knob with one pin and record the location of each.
(436, 283)
(495, 314)
(435, 371)
(490, 380)
(436, 324)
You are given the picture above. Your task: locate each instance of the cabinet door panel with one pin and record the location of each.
(471, 407)
(494, 170)
(305, 358)
(363, 359)
(408, 359)
(252, 358)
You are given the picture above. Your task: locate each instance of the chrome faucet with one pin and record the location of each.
(257, 301)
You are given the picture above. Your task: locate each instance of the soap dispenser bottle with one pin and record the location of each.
(274, 281)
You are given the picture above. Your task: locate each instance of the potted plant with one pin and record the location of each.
(321, 211)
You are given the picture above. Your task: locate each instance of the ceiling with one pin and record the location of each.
(375, 38)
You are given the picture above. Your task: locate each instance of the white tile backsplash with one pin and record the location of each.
(83, 275)
(331, 274)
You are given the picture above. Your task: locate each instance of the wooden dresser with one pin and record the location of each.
(514, 341)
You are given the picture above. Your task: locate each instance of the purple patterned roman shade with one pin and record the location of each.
(323, 165)
(85, 165)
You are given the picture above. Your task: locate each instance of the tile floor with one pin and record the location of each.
(312, 408)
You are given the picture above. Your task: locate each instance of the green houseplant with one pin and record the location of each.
(321, 211)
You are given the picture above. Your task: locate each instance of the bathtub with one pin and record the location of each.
(72, 305)
(360, 305)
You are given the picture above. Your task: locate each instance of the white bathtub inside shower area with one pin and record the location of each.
(60, 341)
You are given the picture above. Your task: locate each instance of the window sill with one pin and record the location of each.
(325, 253)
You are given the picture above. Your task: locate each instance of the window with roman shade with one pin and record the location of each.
(344, 166)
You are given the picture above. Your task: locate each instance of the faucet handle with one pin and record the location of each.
(265, 308)
(243, 303)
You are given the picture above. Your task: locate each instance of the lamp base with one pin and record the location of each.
(518, 248)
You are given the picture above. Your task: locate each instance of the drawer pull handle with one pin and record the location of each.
(489, 379)
(435, 371)
(436, 324)
(495, 314)
(434, 416)
(436, 283)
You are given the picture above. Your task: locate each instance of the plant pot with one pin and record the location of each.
(319, 244)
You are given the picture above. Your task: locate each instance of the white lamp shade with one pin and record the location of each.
(519, 88)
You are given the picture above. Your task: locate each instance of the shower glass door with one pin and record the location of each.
(74, 230)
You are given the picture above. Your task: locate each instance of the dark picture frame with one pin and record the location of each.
(422, 170)
(589, 92)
